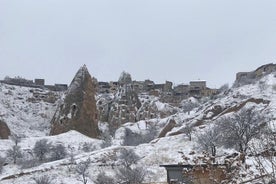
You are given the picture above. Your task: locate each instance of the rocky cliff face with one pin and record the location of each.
(122, 107)
(78, 110)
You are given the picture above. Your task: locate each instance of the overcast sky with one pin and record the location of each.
(175, 40)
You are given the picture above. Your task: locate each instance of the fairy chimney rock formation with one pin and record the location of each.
(78, 110)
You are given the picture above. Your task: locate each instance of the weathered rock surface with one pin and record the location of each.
(169, 126)
(78, 110)
(122, 107)
(4, 130)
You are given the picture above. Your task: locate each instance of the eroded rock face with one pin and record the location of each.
(4, 130)
(78, 110)
(122, 107)
(169, 126)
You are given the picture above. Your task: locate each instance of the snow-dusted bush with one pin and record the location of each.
(102, 178)
(14, 153)
(45, 179)
(128, 172)
(134, 175)
(41, 148)
(241, 128)
(82, 170)
(209, 140)
(58, 152)
(28, 163)
(88, 147)
(128, 157)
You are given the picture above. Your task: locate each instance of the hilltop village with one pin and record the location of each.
(196, 88)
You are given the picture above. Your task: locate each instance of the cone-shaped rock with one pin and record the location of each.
(78, 110)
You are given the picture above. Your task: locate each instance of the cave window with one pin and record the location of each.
(74, 107)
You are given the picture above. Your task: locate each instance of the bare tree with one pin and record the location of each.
(241, 128)
(16, 139)
(15, 153)
(72, 160)
(263, 151)
(128, 173)
(134, 175)
(102, 178)
(209, 141)
(82, 170)
(188, 130)
(128, 157)
(45, 179)
(41, 148)
(58, 152)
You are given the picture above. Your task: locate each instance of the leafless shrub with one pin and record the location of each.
(14, 153)
(102, 178)
(128, 157)
(210, 140)
(241, 128)
(41, 148)
(43, 179)
(188, 130)
(88, 147)
(134, 175)
(58, 152)
(82, 170)
(28, 163)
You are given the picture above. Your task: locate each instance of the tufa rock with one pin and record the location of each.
(4, 130)
(78, 110)
(169, 126)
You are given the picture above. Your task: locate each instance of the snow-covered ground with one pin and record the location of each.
(27, 119)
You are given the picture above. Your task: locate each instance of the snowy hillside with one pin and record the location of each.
(32, 120)
(27, 111)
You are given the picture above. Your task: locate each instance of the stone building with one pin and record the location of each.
(103, 87)
(40, 82)
(197, 174)
(138, 86)
(259, 72)
(181, 90)
(113, 87)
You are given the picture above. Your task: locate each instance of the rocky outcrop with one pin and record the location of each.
(4, 130)
(169, 126)
(78, 110)
(119, 108)
(243, 78)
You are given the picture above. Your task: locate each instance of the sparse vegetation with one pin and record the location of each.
(45, 179)
(102, 178)
(2, 162)
(15, 153)
(41, 149)
(58, 152)
(82, 170)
